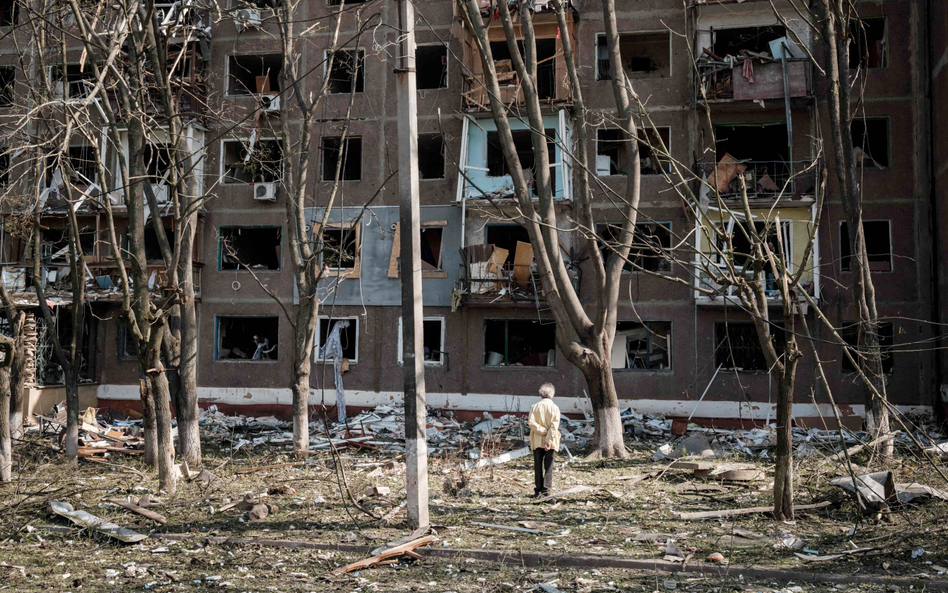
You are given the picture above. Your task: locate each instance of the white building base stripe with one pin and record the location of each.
(503, 404)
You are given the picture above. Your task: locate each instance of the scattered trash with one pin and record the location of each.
(716, 557)
(378, 491)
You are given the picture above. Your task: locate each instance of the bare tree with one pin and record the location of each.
(584, 336)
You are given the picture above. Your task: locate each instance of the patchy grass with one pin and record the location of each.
(604, 522)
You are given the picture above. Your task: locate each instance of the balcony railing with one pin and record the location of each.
(765, 180)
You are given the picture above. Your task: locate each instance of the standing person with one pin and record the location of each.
(544, 439)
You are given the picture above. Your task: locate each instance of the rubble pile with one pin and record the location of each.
(99, 433)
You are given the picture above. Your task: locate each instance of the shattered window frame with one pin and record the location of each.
(743, 333)
(877, 264)
(355, 74)
(505, 362)
(318, 342)
(275, 347)
(864, 122)
(233, 86)
(257, 177)
(343, 228)
(653, 330)
(123, 342)
(638, 254)
(600, 63)
(445, 81)
(645, 145)
(240, 266)
(441, 353)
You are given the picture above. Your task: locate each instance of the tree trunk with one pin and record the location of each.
(6, 444)
(783, 472)
(162, 399)
(149, 430)
(189, 434)
(305, 337)
(72, 416)
(602, 393)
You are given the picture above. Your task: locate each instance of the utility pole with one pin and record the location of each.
(416, 447)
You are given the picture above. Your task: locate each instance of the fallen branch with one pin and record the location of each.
(406, 548)
(841, 455)
(747, 511)
(508, 527)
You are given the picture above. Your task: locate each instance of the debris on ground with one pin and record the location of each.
(89, 521)
(407, 549)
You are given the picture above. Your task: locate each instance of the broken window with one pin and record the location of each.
(82, 162)
(76, 84)
(753, 39)
(158, 163)
(152, 246)
(9, 11)
(348, 337)
(871, 141)
(351, 159)
(243, 247)
(878, 245)
(867, 43)
(546, 65)
(431, 249)
(431, 67)
(126, 343)
(523, 144)
(247, 338)
(346, 71)
(517, 342)
(56, 240)
(650, 247)
(254, 74)
(642, 346)
(738, 348)
(7, 78)
(612, 146)
(4, 167)
(431, 156)
(432, 339)
(348, 2)
(762, 149)
(644, 55)
(263, 164)
(341, 247)
(886, 336)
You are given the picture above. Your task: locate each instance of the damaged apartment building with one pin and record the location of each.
(732, 94)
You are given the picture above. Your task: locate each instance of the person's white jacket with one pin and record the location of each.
(544, 422)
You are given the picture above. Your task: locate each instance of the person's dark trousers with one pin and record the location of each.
(543, 470)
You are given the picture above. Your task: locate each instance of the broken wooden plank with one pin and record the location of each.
(747, 511)
(391, 553)
(160, 519)
(573, 490)
(261, 468)
(510, 528)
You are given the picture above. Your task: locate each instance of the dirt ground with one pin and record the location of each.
(618, 517)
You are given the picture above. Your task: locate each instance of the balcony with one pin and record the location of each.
(495, 276)
(766, 181)
(551, 81)
(793, 232)
(753, 79)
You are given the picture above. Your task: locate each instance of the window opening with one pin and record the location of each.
(646, 346)
(515, 342)
(255, 74)
(7, 81)
(261, 165)
(83, 164)
(340, 248)
(762, 154)
(250, 247)
(523, 143)
(431, 248)
(247, 338)
(348, 337)
(651, 243)
(506, 236)
(431, 156)
(850, 334)
(431, 65)
(9, 11)
(345, 72)
(871, 141)
(56, 242)
(644, 55)
(612, 156)
(351, 159)
(432, 338)
(752, 39)
(878, 245)
(737, 346)
(867, 43)
(157, 163)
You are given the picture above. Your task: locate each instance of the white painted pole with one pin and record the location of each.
(416, 448)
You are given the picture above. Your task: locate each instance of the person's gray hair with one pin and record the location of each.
(547, 391)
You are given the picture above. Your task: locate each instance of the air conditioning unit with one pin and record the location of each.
(603, 165)
(265, 192)
(247, 18)
(270, 103)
